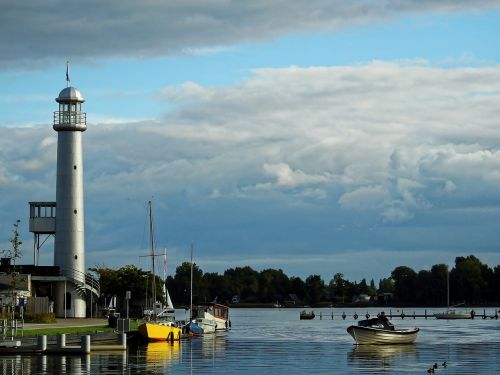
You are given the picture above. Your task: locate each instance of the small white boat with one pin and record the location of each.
(379, 331)
(214, 317)
(452, 314)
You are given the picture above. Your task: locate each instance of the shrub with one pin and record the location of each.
(39, 318)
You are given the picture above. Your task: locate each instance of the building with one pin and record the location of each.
(65, 285)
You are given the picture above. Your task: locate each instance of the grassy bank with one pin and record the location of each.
(69, 330)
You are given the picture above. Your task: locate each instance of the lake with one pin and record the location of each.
(275, 341)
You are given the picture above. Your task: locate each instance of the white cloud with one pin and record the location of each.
(364, 198)
(287, 177)
(311, 149)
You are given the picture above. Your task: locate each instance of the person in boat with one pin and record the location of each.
(385, 322)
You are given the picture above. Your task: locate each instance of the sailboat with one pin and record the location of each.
(158, 328)
(451, 313)
(211, 318)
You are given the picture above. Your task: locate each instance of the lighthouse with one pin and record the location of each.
(69, 246)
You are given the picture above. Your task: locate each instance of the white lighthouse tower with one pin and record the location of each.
(69, 247)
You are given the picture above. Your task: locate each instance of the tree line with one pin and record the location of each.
(470, 282)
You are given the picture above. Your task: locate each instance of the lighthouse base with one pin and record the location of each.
(68, 302)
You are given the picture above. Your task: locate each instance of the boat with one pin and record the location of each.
(306, 315)
(212, 317)
(158, 326)
(192, 329)
(202, 317)
(451, 313)
(379, 331)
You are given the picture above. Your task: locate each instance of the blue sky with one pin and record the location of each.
(298, 136)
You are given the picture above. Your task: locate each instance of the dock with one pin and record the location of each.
(403, 315)
(62, 343)
(16, 346)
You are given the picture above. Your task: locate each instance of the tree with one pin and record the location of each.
(466, 280)
(13, 254)
(404, 284)
(314, 288)
(338, 286)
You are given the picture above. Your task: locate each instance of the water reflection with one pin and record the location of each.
(43, 364)
(161, 354)
(381, 357)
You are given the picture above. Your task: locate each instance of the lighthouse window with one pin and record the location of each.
(74, 212)
(74, 166)
(73, 107)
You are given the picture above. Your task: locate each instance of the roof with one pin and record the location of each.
(70, 94)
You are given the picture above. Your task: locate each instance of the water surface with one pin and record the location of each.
(275, 341)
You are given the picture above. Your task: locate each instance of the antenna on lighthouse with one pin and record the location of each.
(67, 74)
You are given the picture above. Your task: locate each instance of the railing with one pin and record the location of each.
(69, 118)
(83, 281)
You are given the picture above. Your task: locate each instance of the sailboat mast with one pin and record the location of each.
(152, 244)
(191, 294)
(447, 288)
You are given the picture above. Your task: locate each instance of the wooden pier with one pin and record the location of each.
(402, 315)
(60, 347)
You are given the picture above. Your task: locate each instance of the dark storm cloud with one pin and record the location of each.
(37, 32)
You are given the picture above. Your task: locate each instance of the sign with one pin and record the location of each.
(128, 294)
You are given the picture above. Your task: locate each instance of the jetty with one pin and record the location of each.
(63, 343)
(402, 315)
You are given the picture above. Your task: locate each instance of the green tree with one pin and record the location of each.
(404, 284)
(13, 254)
(386, 285)
(338, 287)
(466, 280)
(315, 287)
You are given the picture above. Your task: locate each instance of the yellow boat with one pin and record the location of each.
(153, 331)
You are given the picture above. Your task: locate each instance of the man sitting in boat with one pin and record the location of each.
(380, 320)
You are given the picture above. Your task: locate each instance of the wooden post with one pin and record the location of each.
(61, 340)
(122, 339)
(42, 343)
(85, 346)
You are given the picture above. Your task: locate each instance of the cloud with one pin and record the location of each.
(292, 160)
(41, 32)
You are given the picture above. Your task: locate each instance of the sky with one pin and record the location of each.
(314, 137)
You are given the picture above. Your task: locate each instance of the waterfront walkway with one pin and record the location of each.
(68, 322)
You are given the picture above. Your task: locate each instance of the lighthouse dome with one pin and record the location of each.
(70, 94)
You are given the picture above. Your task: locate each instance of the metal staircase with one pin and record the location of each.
(83, 282)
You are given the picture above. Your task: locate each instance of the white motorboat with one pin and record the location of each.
(379, 331)
(452, 314)
(214, 316)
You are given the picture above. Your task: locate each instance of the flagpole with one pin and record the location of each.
(67, 74)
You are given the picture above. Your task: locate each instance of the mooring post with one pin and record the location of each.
(61, 340)
(320, 315)
(86, 344)
(42, 343)
(122, 340)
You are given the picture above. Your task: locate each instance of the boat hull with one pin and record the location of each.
(377, 336)
(452, 316)
(159, 332)
(208, 325)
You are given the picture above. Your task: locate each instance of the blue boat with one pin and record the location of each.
(192, 329)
